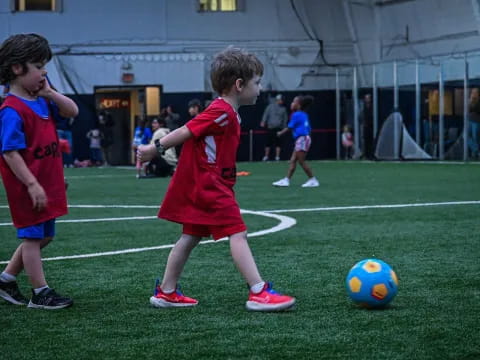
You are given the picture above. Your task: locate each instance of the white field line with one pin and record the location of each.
(334, 208)
(285, 222)
(97, 176)
(362, 207)
(97, 219)
(105, 206)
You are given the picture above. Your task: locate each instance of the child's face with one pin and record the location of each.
(155, 125)
(295, 105)
(193, 110)
(34, 79)
(250, 92)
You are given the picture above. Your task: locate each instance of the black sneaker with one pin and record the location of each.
(49, 299)
(10, 292)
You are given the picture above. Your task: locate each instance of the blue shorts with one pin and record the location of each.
(39, 231)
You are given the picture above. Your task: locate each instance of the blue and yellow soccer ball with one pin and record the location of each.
(372, 283)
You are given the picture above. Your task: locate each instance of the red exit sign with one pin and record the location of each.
(114, 103)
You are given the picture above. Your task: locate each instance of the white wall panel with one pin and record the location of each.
(106, 31)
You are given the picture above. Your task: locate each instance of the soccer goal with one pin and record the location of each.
(395, 143)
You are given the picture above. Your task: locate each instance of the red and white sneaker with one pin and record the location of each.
(269, 300)
(174, 299)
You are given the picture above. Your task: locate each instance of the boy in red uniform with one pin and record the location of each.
(31, 164)
(200, 195)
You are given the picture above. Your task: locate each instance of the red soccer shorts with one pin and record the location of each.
(217, 231)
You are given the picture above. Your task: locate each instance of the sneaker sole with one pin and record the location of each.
(160, 303)
(255, 306)
(6, 296)
(305, 186)
(46, 307)
(277, 185)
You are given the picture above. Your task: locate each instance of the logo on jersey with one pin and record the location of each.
(41, 152)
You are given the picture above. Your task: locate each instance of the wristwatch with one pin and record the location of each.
(160, 148)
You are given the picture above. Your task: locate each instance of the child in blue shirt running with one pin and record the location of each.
(299, 125)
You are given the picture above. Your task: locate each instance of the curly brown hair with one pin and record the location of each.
(232, 64)
(305, 101)
(22, 49)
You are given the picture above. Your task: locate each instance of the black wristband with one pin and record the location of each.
(160, 148)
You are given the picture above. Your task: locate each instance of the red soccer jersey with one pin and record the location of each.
(201, 190)
(44, 159)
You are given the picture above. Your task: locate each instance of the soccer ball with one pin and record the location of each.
(371, 283)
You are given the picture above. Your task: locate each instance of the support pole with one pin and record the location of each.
(337, 112)
(465, 110)
(250, 145)
(441, 105)
(418, 105)
(395, 86)
(356, 126)
(375, 104)
(396, 129)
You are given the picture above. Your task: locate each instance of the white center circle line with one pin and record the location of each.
(285, 223)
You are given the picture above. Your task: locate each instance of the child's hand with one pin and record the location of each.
(45, 90)
(146, 152)
(38, 196)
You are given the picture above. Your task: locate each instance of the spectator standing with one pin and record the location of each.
(274, 119)
(347, 141)
(105, 126)
(172, 119)
(194, 107)
(95, 136)
(366, 122)
(430, 124)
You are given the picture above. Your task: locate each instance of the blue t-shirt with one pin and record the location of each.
(142, 136)
(12, 136)
(147, 136)
(299, 124)
(137, 136)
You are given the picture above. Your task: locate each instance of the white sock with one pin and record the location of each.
(6, 277)
(40, 289)
(257, 287)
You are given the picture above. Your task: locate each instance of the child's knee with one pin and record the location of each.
(45, 241)
(241, 236)
(191, 240)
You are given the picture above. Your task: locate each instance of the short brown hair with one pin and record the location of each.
(232, 64)
(21, 49)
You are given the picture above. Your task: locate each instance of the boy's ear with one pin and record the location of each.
(17, 69)
(239, 84)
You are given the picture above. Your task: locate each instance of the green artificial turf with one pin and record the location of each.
(433, 249)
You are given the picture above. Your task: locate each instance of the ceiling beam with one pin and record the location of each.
(476, 13)
(391, 2)
(353, 35)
